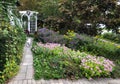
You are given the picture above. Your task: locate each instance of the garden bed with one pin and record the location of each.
(83, 43)
(53, 61)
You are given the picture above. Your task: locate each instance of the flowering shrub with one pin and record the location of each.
(49, 45)
(85, 43)
(55, 61)
(80, 42)
(96, 66)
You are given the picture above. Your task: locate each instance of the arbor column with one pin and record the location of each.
(22, 20)
(35, 23)
(29, 23)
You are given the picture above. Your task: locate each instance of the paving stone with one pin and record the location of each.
(20, 82)
(25, 82)
(67, 81)
(42, 81)
(10, 82)
(15, 82)
(75, 82)
(33, 81)
(18, 78)
(114, 82)
(80, 83)
(29, 82)
(38, 82)
(60, 82)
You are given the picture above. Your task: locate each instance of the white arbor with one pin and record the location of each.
(29, 20)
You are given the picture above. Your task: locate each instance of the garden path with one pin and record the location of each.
(25, 75)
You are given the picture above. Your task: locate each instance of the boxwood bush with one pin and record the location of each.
(12, 40)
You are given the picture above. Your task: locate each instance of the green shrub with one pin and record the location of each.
(80, 42)
(116, 72)
(94, 46)
(97, 47)
(112, 36)
(74, 40)
(12, 40)
(55, 61)
(106, 49)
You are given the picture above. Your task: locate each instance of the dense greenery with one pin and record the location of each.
(94, 46)
(84, 43)
(112, 37)
(11, 47)
(80, 42)
(81, 16)
(12, 39)
(53, 61)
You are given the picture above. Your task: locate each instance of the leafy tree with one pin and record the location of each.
(83, 16)
(29, 4)
(94, 12)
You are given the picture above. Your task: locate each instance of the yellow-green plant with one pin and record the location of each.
(12, 40)
(70, 35)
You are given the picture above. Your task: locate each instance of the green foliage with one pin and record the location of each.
(116, 72)
(112, 37)
(98, 47)
(12, 40)
(93, 66)
(13, 1)
(49, 8)
(90, 45)
(81, 42)
(10, 69)
(61, 62)
(32, 5)
(93, 45)
(70, 35)
(75, 41)
(76, 14)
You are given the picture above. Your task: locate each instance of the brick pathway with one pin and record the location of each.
(25, 75)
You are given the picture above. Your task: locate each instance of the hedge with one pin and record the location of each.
(12, 40)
